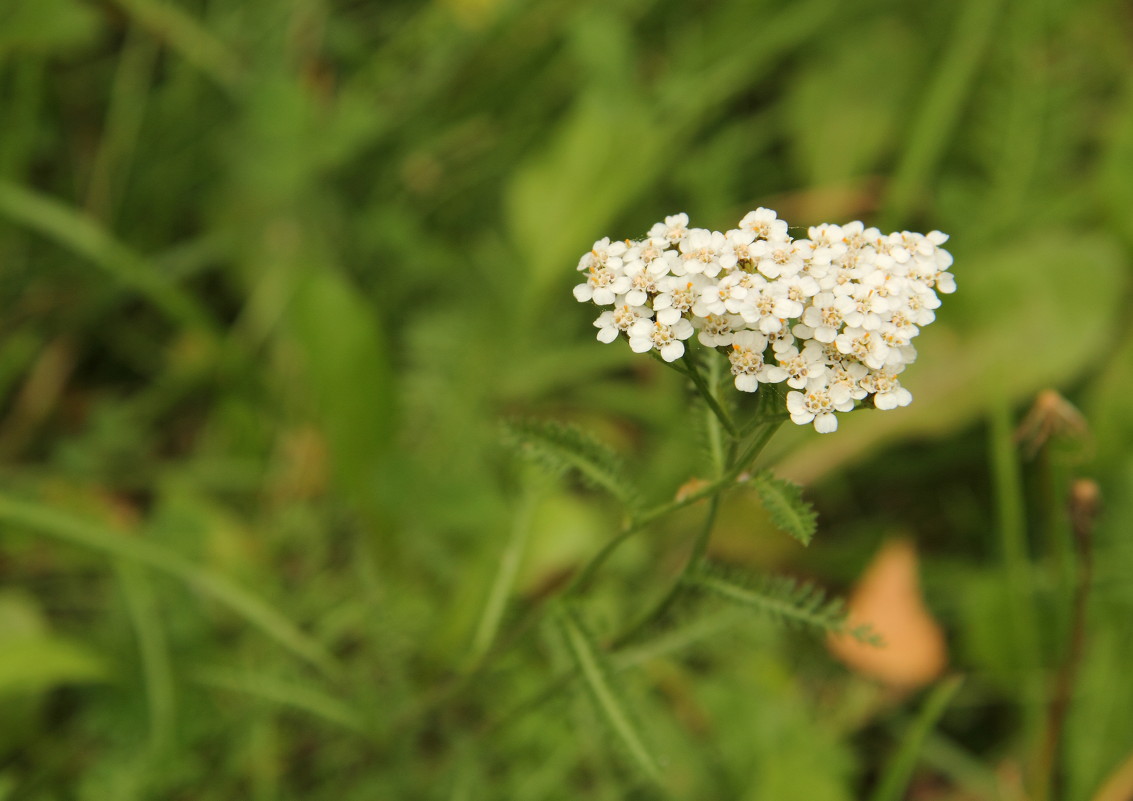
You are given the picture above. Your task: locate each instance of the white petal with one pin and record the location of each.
(603, 296)
(682, 329)
(825, 423)
(673, 351)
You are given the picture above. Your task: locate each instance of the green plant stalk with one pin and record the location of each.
(1051, 780)
(577, 584)
(129, 94)
(709, 396)
(771, 405)
(288, 694)
(189, 38)
(1011, 524)
(700, 544)
(1053, 479)
(641, 522)
(672, 642)
(583, 578)
(699, 547)
(712, 423)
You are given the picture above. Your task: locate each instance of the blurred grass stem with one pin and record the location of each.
(1083, 514)
(60, 526)
(1011, 524)
(84, 236)
(504, 580)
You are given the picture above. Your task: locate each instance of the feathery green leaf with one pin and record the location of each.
(784, 501)
(783, 598)
(598, 678)
(564, 448)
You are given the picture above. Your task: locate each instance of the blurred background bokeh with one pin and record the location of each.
(273, 271)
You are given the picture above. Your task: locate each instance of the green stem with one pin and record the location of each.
(709, 398)
(671, 365)
(771, 407)
(586, 575)
(1014, 551)
(700, 544)
(721, 456)
(640, 523)
(699, 548)
(1083, 503)
(714, 490)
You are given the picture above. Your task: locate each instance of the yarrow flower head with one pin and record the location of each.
(833, 316)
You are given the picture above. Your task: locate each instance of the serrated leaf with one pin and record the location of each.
(783, 599)
(597, 677)
(565, 448)
(784, 501)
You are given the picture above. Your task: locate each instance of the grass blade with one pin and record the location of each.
(191, 40)
(895, 780)
(249, 606)
(153, 646)
(932, 131)
(502, 585)
(286, 694)
(82, 235)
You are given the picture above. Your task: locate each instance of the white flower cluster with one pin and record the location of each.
(832, 315)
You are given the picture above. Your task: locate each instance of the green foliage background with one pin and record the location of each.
(272, 272)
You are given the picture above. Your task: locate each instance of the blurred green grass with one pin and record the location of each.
(270, 274)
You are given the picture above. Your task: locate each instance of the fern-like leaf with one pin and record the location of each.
(784, 501)
(598, 678)
(783, 599)
(563, 448)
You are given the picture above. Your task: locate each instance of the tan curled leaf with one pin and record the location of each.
(888, 598)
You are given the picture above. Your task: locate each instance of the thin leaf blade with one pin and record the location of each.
(895, 780)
